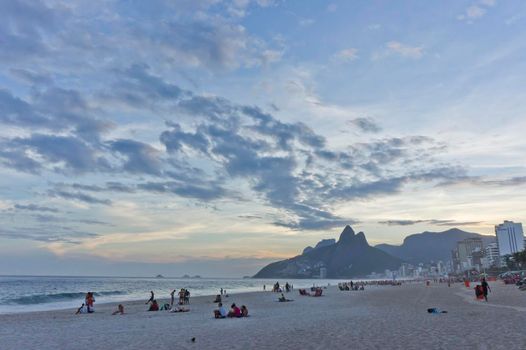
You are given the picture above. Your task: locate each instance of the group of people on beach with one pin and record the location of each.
(276, 288)
(351, 286)
(184, 298)
(87, 306)
(235, 311)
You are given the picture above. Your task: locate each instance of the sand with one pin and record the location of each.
(387, 317)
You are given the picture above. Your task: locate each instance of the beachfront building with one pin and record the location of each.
(463, 255)
(510, 237)
(492, 256)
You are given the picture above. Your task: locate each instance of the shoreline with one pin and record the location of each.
(132, 302)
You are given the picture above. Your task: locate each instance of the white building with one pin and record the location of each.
(510, 237)
(492, 256)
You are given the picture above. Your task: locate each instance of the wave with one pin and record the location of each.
(51, 298)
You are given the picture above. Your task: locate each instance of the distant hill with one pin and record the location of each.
(430, 246)
(351, 256)
(322, 243)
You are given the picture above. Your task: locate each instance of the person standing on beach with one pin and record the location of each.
(172, 298)
(151, 298)
(485, 288)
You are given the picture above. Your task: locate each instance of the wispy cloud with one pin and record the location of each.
(396, 47)
(476, 10)
(365, 124)
(346, 55)
(437, 222)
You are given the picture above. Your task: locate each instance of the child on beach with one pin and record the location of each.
(244, 311)
(120, 310)
(81, 309)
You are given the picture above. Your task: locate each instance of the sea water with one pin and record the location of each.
(32, 293)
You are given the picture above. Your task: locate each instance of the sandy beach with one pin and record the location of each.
(393, 317)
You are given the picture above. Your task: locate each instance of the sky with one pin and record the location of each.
(212, 137)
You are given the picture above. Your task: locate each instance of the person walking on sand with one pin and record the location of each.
(485, 288)
(151, 298)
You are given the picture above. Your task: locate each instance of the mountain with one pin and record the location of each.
(322, 243)
(351, 256)
(430, 246)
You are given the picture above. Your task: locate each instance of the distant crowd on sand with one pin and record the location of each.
(184, 299)
(276, 288)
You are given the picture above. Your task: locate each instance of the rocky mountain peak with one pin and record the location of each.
(347, 235)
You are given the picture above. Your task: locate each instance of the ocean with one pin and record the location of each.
(41, 293)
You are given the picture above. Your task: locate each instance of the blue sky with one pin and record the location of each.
(215, 136)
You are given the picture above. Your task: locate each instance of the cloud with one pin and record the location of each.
(429, 221)
(77, 196)
(395, 47)
(32, 77)
(22, 24)
(202, 191)
(208, 144)
(34, 207)
(68, 153)
(18, 159)
(140, 158)
(476, 10)
(346, 55)
(53, 109)
(365, 124)
(49, 234)
(485, 181)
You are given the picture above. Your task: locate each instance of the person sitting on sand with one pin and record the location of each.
(234, 311)
(221, 312)
(282, 298)
(120, 310)
(218, 299)
(151, 297)
(154, 306)
(81, 309)
(244, 311)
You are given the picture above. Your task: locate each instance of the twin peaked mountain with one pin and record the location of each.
(350, 256)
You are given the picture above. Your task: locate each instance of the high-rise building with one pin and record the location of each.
(510, 237)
